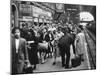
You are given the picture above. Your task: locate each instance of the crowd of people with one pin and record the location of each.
(33, 45)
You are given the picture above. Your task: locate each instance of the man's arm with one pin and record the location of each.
(25, 52)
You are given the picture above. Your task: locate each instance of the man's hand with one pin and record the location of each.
(26, 61)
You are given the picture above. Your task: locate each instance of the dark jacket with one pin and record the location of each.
(65, 40)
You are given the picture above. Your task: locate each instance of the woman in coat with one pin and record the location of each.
(32, 41)
(80, 43)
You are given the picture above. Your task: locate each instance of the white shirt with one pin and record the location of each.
(50, 36)
(17, 44)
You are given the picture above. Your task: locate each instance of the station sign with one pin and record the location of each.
(25, 10)
(59, 7)
(26, 18)
(39, 11)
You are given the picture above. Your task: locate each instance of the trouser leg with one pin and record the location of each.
(20, 67)
(73, 48)
(62, 56)
(67, 57)
(54, 56)
(63, 59)
(13, 69)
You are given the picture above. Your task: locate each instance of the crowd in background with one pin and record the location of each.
(51, 41)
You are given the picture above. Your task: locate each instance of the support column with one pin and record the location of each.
(15, 13)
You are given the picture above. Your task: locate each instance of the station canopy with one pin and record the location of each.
(86, 16)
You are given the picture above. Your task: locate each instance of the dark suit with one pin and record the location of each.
(64, 46)
(18, 59)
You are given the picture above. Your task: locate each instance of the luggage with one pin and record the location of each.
(76, 61)
(43, 45)
(28, 69)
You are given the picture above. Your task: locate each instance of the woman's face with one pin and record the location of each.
(44, 30)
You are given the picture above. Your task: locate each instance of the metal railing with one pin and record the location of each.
(91, 52)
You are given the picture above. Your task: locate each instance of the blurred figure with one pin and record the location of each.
(64, 47)
(49, 38)
(80, 43)
(24, 31)
(32, 49)
(55, 46)
(60, 33)
(43, 51)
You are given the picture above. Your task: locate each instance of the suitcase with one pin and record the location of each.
(43, 45)
(28, 69)
(76, 61)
